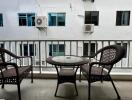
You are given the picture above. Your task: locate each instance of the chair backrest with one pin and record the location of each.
(110, 55)
(2, 56)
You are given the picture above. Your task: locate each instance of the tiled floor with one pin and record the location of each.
(44, 90)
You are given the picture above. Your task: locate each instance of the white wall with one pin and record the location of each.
(74, 23)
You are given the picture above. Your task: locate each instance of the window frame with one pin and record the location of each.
(27, 52)
(1, 21)
(88, 49)
(54, 50)
(56, 19)
(119, 20)
(91, 19)
(27, 19)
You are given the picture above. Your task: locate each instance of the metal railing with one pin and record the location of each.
(41, 49)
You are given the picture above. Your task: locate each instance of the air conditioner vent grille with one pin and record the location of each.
(41, 21)
(88, 28)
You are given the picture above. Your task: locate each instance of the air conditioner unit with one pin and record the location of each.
(88, 28)
(41, 21)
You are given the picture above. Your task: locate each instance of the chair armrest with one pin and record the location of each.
(12, 54)
(6, 64)
(99, 63)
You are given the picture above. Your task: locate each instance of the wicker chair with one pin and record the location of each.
(13, 73)
(100, 70)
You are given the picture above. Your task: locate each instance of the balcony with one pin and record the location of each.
(41, 49)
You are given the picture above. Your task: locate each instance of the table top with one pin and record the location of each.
(67, 60)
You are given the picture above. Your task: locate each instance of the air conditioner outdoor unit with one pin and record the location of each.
(88, 28)
(41, 21)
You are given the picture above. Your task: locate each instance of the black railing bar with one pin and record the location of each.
(22, 49)
(28, 51)
(16, 50)
(70, 47)
(39, 57)
(34, 53)
(96, 44)
(122, 45)
(89, 50)
(10, 49)
(128, 53)
(77, 48)
(115, 64)
(46, 51)
(64, 48)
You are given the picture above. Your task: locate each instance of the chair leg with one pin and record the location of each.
(19, 91)
(80, 76)
(89, 88)
(76, 89)
(31, 76)
(2, 86)
(118, 96)
(56, 89)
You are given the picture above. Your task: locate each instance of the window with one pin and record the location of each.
(56, 50)
(56, 19)
(1, 45)
(88, 49)
(125, 46)
(122, 18)
(92, 17)
(26, 19)
(24, 50)
(1, 20)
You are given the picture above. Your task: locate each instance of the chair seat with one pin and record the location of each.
(94, 71)
(66, 72)
(12, 72)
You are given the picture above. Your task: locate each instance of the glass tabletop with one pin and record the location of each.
(67, 59)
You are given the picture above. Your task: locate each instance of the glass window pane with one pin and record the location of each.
(85, 49)
(52, 19)
(61, 19)
(125, 46)
(92, 49)
(31, 49)
(21, 50)
(87, 17)
(25, 50)
(50, 50)
(22, 20)
(92, 17)
(30, 19)
(123, 18)
(61, 48)
(55, 48)
(1, 20)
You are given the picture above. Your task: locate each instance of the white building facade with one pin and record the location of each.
(74, 19)
(111, 19)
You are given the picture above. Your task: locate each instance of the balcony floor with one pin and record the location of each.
(43, 89)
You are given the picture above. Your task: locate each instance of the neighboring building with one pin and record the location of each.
(65, 20)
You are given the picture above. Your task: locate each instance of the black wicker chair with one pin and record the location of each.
(13, 73)
(100, 70)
